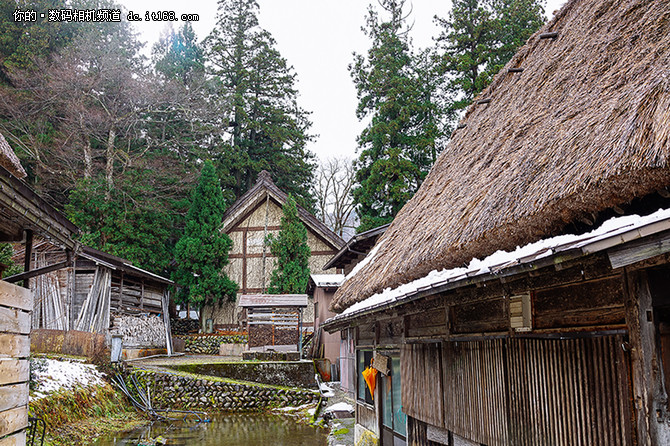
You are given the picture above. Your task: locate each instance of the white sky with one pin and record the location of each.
(317, 38)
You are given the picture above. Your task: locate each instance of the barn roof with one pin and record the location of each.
(583, 127)
(263, 188)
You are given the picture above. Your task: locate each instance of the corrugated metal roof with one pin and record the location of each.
(273, 300)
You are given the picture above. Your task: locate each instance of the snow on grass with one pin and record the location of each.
(51, 375)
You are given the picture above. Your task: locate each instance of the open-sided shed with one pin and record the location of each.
(97, 292)
(274, 320)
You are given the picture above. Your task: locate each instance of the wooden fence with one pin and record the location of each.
(15, 306)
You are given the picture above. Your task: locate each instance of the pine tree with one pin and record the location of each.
(479, 37)
(291, 273)
(202, 251)
(398, 147)
(268, 130)
(177, 55)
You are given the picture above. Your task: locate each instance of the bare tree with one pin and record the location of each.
(334, 203)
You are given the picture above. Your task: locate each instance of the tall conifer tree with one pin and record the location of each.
(479, 37)
(291, 272)
(268, 130)
(202, 252)
(397, 148)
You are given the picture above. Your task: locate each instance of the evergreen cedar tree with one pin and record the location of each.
(393, 147)
(202, 252)
(290, 248)
(478, 38)
(414, 99)
(268, 129)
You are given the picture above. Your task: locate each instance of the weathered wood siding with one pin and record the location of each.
(15, 320)
(569, 392)
(474, 390)
(421, 368)
(521, 391)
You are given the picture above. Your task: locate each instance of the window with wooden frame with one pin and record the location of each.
(363, 359)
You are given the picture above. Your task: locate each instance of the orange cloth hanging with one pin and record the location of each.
(370, 376)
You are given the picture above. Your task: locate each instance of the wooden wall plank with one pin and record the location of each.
(15, 296)
(14, 321)
(14, 345)
(13, 420)
(13, 396)
(14, 371)
(18, 439)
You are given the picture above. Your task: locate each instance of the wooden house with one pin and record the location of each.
(100, 293)
(22, 214)
(322, 288)
(339, 347)
(248, 221)
(522, 296)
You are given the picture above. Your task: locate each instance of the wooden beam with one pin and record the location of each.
(27, 254)
(14, 370)
(36, 272)
(15, 296)
(13, 420)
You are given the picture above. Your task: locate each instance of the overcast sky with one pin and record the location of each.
(317, 37)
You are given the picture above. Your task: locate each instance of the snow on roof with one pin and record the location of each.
(614, 231)
(369, 258)
(327, 280)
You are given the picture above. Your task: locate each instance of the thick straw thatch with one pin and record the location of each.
(9, 160)
(584, 126)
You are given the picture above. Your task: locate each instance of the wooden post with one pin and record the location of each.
(121, 293)
(74, 293)
(28, 252)
(300, 333)
(142, 296)
(648, 395)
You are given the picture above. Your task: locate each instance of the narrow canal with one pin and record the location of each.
(225, 430)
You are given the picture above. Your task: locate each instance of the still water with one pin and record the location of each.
(225, 430)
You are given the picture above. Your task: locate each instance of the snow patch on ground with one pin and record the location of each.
(340, 407)
(51, 375)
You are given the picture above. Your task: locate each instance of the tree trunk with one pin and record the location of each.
(88, 158)
(109, 168)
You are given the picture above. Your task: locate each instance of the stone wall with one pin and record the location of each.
(294, 373)
(182, 327)
(141, 331)
(192, 392)
(210, 344)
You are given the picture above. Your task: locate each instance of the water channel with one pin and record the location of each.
(225, 430)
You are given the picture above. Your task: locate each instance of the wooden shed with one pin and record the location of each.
(100, 293)
(274, 320)
(22, 214)
(248, 221)
(522, 296)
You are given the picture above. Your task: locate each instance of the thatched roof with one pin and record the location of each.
(263, 188)
(585, 126)
(9, 160)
